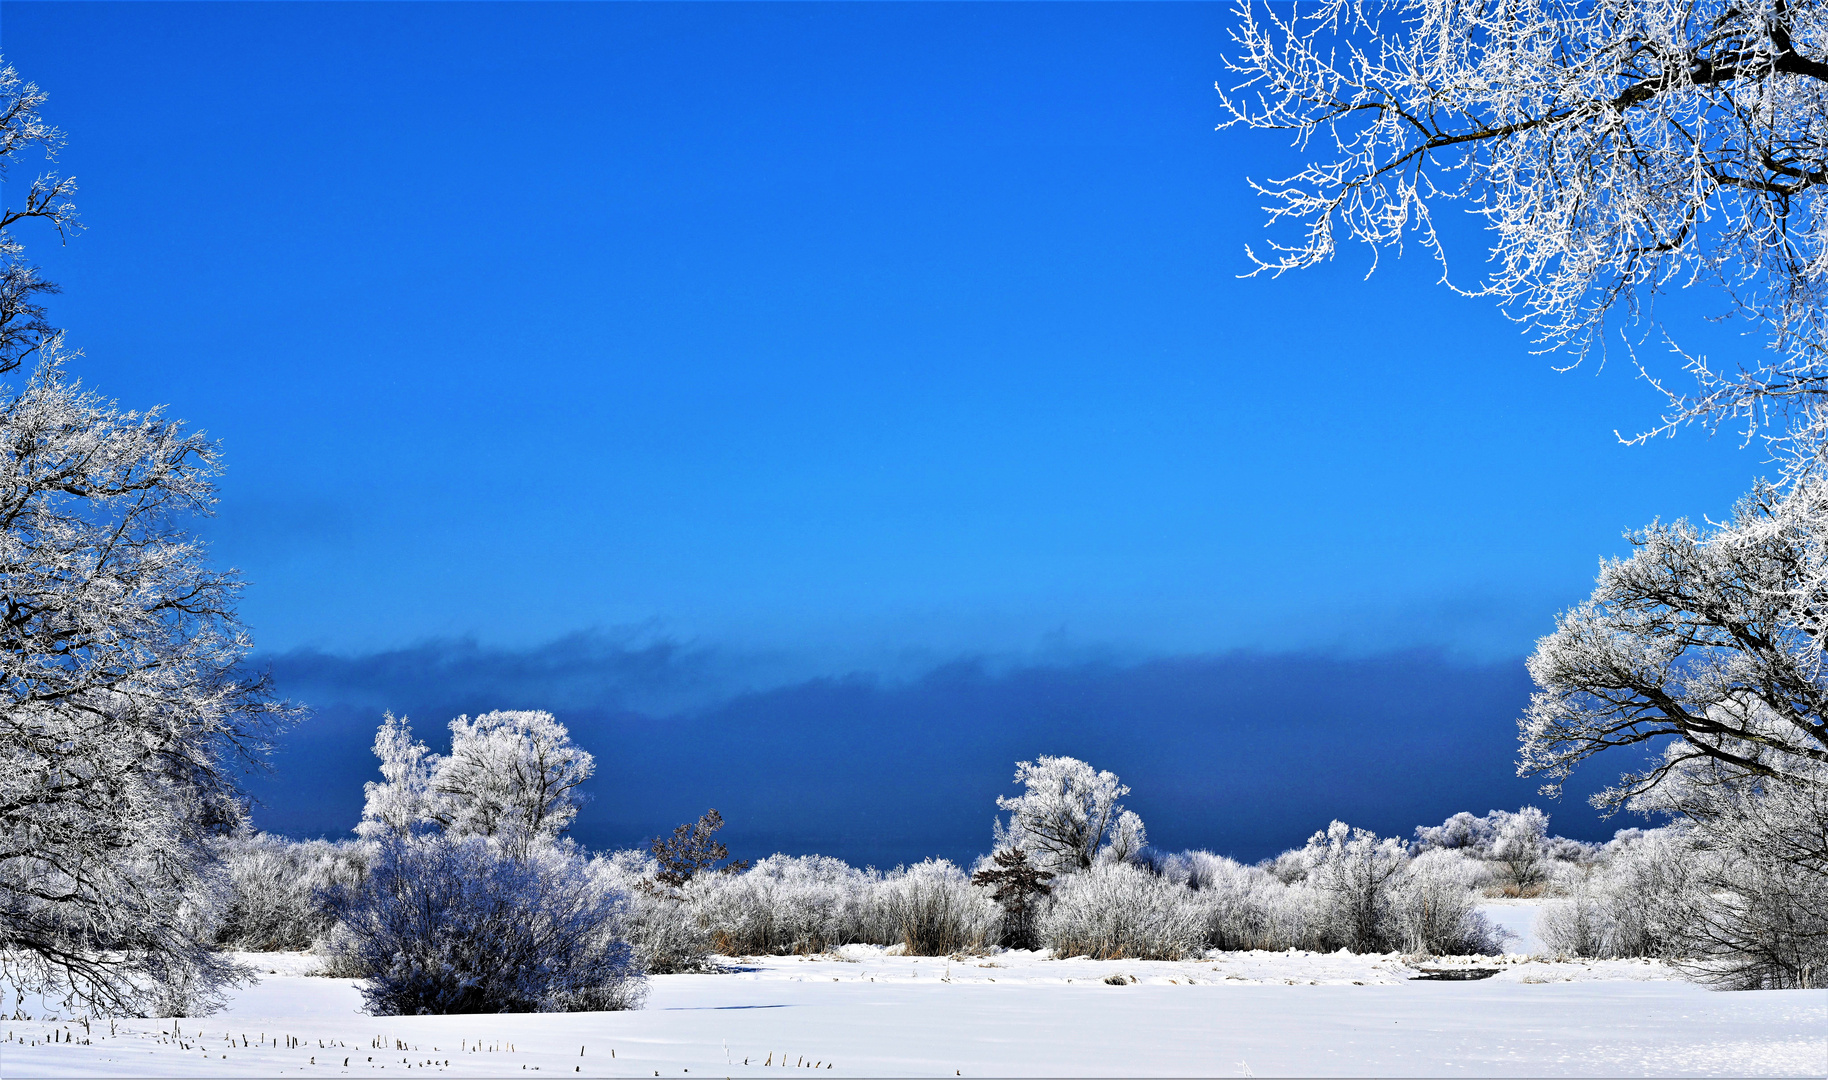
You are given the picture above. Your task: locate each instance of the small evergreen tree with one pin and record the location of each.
(1018, 887)
(691, 850)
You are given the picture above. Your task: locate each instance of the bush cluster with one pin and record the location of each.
(1738, 918)
(804, 904)
(1363, 893)
(1345, 889)
(463, 925)
(273, 884)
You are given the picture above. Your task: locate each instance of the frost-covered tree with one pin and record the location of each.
(1128, 839)
(1066, 813)
(24, 333)
(1515, 849)
(402, 802)
(1521, 849)
(1705, 648)
(1462, 832)
(510, 775)
(125, 714)
(1614, 149)
(1696, 637)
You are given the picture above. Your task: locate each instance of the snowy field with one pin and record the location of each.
(862, 1012)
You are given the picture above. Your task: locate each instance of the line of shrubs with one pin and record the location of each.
(462, 894)
(1345, 889)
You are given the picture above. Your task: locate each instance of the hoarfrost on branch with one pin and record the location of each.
(1614, 149)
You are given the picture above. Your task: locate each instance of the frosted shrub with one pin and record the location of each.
(739, 915)
(934, 910)
(1353, 873)
(818, 903)
(1514, 852)
(450, 925)
(662, 924)
(666, 933)
(1649, 887)
(1119, 911)
(1580, 925)
(275, 886)
(1764, 927)
(1636, 901)
(1432, 908)
(1757, 905)
(1737, 900)
(1240, 907)
(789, 904)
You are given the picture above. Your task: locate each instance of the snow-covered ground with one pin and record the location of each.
(865, 1012)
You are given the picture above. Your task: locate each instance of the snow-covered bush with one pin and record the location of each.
(276, 887)
(935, 910)
(1580, 924)
(1757, 908)
(1345, 889)
(1240, 907)
(790, 904)
(1637, 900)
(1117, 910)
(463, 925)
(1432, 908)
(801, 904)
(1353, 873)
(1650, 886)
(662, 924)
(1740, 899)
(1520, 856)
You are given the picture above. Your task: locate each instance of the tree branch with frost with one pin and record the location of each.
(1615, 150)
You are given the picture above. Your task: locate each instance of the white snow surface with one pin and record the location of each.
(864, 1012)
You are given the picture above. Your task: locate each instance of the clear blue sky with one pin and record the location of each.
(819, 340)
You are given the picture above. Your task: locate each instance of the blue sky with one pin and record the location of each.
(825, 342)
